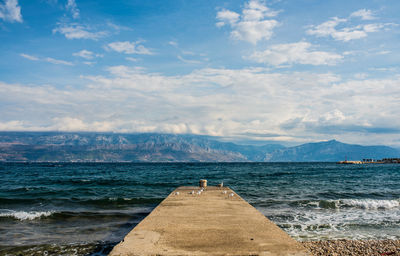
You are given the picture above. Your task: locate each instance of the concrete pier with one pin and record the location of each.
(215, 222)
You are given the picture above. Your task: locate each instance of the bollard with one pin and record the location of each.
(203, 183)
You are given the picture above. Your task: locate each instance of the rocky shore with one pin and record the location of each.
(354, 247)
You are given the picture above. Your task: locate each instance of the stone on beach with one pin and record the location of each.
(354, 247)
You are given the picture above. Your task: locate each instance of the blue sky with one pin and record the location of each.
(288, 71)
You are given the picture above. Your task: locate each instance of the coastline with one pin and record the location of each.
(344, 247)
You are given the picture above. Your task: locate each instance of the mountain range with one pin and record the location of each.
(155, 147)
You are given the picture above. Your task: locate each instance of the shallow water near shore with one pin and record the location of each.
(85, 209)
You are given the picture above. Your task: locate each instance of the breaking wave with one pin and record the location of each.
(25, 215)
(367, 204)
(138, 212)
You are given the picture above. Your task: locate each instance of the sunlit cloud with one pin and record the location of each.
(364, 14)
(46, 59)
(10, 11)
(87, 54)
(129, 48)
(301, 53)
(252, 25)
(347, 32)
(77, 31)
(73, 8)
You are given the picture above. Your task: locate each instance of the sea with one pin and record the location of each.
(87, 208)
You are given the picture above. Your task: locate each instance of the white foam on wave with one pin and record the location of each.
(337, 219)
(367, 204)
(24, 215)
(370, 204)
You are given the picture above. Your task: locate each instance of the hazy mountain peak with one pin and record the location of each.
(155, 147)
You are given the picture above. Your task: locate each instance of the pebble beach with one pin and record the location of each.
(354, 247)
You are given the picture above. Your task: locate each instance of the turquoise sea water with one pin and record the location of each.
(85, 209)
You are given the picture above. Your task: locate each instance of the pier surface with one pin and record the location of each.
(212, 223)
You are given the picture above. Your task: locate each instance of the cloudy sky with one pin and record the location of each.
(293, 71)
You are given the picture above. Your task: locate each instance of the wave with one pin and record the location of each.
(370, 203)
(25, 215)
(100, 215)
(101, 201)
(64, 215)
(367, 204)
(116, 201)
(318, 231)
(96, 181)
(309, 227)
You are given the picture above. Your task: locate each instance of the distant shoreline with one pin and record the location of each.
(372, 161)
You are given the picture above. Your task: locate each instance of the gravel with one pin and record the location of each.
(354, 247)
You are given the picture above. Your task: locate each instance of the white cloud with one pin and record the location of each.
(346, 32)
(10, 11)
(73, 8)
(385, 69)
(29, 57)
(118, 28)
(129, 48)
(191, 57)
(86, 54)
(333, 116)
(328, 29)
(173, 43)
(287, 54)
(188, 61)
(125, 71)
(373, 27)
(46, 59)
(364, 14)
(131, 59)
(70, 124)
(227, 17)
(189, 53)
(15, 125)
(252, 25)
(360, 76)
(254, 31)
(57, 62)
(257, 10)
(226, 102)
(76, 31)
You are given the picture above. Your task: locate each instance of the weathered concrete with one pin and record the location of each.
(213, 223)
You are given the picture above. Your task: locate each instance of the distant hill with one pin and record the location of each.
(110, 147)
(154, 147)
(330, 151)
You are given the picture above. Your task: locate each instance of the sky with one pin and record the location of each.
(290, 71)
